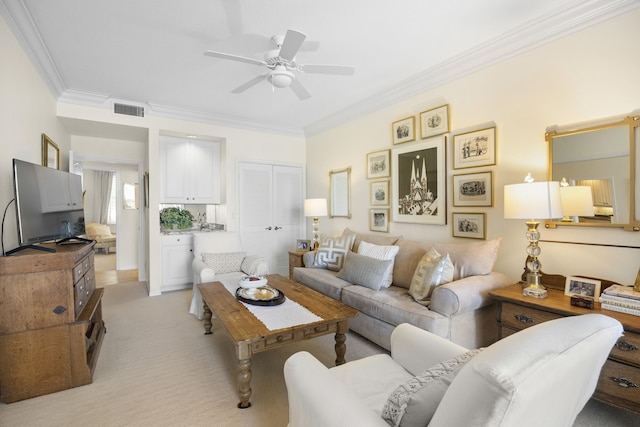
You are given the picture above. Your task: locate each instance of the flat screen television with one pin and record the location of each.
(48, 204)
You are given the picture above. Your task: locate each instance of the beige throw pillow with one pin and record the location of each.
(432, 270)
(365, 271)
(414, 402)
(332, 250)
(387, 253)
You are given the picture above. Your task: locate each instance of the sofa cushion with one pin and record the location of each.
(414, 402)
(383, 253)
(376, 239)
(332, 250)
(469, 259)
(321, 280)
(432, 270)
(366, 271)
(226, 262)
(394, 305)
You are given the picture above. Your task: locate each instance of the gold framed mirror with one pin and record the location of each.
(340, 193)
(601, 158)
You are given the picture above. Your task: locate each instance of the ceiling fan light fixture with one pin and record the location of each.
(281, 77)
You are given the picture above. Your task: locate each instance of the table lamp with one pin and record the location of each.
(315, 208)
(533, 200)
(576, 201)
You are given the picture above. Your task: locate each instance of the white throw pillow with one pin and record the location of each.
(332, 250)
(414, 402)
(365, 271)
(387, 253)
(226, 262)
(432, 270)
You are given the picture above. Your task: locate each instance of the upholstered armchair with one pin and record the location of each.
(101, 233)
(218, 256)
(541, 376)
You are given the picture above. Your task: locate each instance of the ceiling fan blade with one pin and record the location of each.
(292, 42)
(254, 81)
(300, 90)
(223, 55)
(310, 46)
(340, 70)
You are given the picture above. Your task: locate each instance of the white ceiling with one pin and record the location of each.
(150, 52)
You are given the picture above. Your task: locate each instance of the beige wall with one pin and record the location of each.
(583, 77)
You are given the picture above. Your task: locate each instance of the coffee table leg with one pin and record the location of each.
(207, 320)
(244, 383)
(341, 347)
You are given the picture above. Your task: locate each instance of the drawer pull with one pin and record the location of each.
(625, 346)
(623, 382)
(59, 309)
(523, 318)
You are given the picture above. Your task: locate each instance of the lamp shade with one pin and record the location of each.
(532, 200)
(315, 207)
(576, 201)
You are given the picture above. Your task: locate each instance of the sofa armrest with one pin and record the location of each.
(318, 398)
(308, 258)
(417, 350)
(202, 273)
(256, 265)
(468, 294)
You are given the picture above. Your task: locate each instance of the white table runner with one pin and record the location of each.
(285, 315)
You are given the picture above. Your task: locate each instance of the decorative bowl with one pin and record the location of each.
(248, 282)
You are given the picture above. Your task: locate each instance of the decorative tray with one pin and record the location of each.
(264, 296)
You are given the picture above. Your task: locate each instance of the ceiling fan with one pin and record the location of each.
(281, 65)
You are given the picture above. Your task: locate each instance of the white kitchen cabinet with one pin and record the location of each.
(190, 171)
(271, 218)
(177, 254)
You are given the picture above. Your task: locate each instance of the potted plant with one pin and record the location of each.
(175, 218)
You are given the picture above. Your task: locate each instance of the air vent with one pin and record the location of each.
(129, 110)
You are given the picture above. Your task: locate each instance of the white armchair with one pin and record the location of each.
(220, 245)
(541, 376)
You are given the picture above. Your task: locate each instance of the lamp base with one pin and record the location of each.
(536, 292)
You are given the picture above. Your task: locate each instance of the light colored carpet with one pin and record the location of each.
(157, 368)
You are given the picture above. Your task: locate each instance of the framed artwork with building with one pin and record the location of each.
(419, 182)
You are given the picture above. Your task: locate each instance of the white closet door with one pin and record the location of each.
(270, 211)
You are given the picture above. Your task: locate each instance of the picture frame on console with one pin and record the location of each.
(50, 153)
(419, 182)
(581, 286)
(434, 122)
(475, 148)
(404, 130)
(303, 245)
(378, 165)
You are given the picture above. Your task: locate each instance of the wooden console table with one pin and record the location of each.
(619, 382)
(51, 326)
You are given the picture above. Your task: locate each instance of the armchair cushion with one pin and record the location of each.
(365, 271)
(414, 402)
(226, 262)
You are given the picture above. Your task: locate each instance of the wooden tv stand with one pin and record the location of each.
(51, 325)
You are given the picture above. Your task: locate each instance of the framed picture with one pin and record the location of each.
(404, 130)
(434, 122)
(582, 287)
(378, 164)
(469, 225)
(473, 189)
(303, 245)
(379, 193)
(50, 153)
(419, 182)
(473, 149)
(379, 220)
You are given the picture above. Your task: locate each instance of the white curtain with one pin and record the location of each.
(98, 185)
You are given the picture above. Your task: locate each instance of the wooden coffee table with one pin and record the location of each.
(250, 336)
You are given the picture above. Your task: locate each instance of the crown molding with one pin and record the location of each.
(545, 29)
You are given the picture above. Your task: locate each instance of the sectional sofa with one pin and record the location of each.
(460, 310)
